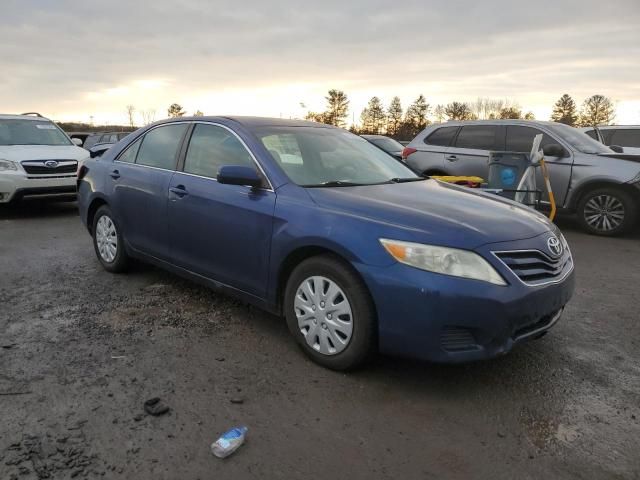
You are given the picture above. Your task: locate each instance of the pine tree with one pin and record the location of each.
(373, 117)
(597, 110)
(175, 110)
(394, 116)
(337, 108)
(417, 113)
(565, 111)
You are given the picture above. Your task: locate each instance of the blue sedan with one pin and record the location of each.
(308, 221)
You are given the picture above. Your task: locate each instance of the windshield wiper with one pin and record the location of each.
(405, 180)
(335, 183)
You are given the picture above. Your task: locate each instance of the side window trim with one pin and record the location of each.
(185, 148)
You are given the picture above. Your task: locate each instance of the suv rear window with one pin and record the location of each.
(626, 137)
(441, 137)
(479, 137)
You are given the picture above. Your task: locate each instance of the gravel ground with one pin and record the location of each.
(82, 349)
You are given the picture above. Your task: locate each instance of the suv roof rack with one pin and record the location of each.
(32, 113)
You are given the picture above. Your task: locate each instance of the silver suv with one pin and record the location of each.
(587, 177)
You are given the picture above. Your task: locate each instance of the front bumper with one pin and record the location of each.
(17, 185)
(448, 319)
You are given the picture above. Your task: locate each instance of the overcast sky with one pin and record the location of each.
(71, 60)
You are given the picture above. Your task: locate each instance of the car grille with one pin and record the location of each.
(536, 268)
(457, 339)
(39, 167)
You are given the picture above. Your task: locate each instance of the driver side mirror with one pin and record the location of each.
(616, 148)
(239, 175)
(554, 150)
(77, 142)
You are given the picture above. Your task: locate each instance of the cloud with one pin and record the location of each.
(79, 58)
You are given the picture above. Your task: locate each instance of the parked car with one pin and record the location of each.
(354, 249)
(600, 185)
(37, 159)
(81, 136)
(386, 144)
(625, 136)
(103, 137)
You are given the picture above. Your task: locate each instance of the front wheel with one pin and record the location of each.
(108, 242)
(330, 313)
(607, 211)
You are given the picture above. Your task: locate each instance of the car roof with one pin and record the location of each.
(611, 127)
(494, 122)
(8, 116)
(374, 136)
(250, 122)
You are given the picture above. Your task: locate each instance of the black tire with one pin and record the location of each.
(363, 341)
(121, 259)
(596, 196)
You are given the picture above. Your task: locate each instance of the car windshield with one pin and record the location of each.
(579, 140)
(315, 157)
(388, 144)
(31, 132)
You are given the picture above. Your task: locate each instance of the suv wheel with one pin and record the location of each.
(107, 241)
(607, 211)
(330, 313)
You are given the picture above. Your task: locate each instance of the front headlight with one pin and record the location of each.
(448, 261)
(7, 165)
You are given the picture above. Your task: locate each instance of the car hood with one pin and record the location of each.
(17, 153)
(436, 212)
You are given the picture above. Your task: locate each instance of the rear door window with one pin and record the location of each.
(129, 155)
(160, 146)
(441, 137)
(480, 137)
(211, 147)
(520, 139)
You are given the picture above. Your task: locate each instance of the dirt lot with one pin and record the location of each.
(82, 349)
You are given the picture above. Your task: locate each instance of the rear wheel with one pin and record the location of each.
(607, 211)
(107, 241)
(330, 313)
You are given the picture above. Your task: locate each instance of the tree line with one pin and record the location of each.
(393, 120)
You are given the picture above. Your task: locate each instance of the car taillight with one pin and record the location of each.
(408, 151)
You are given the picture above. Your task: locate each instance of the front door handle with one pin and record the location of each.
(179, 191)
(115, 174)
(451, 158)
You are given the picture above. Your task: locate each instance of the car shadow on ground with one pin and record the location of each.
(37, 209)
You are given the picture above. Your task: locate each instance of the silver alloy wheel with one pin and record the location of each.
(106, 238)
(604, 212)
(324, 315)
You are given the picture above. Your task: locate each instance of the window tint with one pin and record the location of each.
(160, 146)
(520, 139)
(441, 137)
(479, 137)
(129, 155)
(283, 148)
(592, 134)
(626, 137)
(212, 147)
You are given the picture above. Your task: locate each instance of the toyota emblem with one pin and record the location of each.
(51, 164)
(554, 246)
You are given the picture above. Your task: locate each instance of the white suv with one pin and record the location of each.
(625, 136)
(36, 158)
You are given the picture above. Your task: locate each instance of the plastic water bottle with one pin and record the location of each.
(229, 442)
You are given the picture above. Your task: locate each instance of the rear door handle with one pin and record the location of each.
(115, 174)
(451, 158)
(179, 191)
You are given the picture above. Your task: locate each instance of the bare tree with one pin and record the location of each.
(131, 110)
(148, 116)
(198, 113)
(439, 113)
